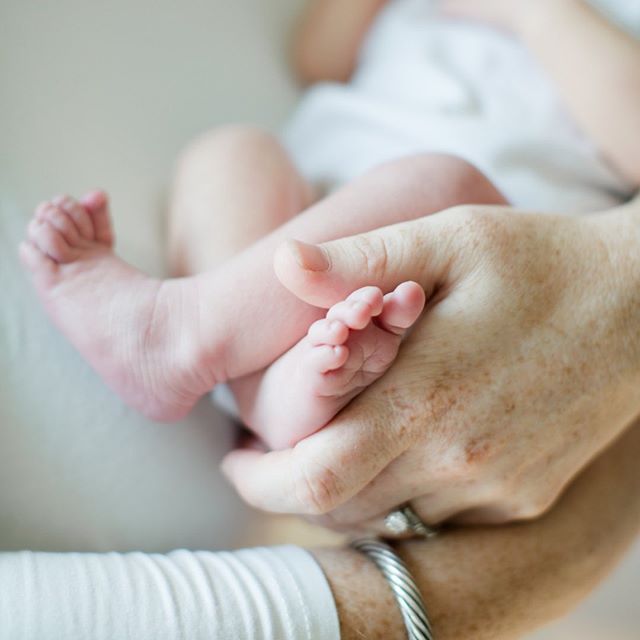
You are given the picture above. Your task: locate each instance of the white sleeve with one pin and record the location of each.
(277, 593)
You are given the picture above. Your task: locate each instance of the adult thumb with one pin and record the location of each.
(324, 274)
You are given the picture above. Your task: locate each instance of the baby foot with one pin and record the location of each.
(341, 355)
(137, 332)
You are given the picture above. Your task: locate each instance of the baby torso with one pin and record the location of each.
(426, 83)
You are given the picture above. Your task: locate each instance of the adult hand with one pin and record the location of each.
(525, 366)
(500, 583)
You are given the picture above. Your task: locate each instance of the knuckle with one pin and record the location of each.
(530, 506)
(373, 255)
(540, 506)
(318, 490)
(528, 510)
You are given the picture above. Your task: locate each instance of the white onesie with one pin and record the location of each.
(427, 83)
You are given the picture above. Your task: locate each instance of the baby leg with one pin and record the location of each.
(143, 335)
(262, 319)
(163, 344)
(233, 186)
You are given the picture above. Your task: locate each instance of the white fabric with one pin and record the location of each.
(79, 471)
(426, 83)
(256, 594)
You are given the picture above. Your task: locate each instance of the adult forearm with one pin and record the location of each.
(595, 68)
(500, 583)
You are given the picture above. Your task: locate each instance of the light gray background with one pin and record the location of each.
(104, 94)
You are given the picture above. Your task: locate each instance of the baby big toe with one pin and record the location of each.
(97, 205)
(402, 307)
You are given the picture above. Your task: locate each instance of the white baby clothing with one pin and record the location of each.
(429, 83)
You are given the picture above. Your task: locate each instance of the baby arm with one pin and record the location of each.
(593, 63)
(329, 36)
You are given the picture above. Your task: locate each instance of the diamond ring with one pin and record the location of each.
(405, 520)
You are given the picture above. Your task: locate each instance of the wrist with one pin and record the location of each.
(365, 603)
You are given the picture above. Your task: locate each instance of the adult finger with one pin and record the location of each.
(323, 471)
(433, 510)
(421, 250)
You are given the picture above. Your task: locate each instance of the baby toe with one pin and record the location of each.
(97, 204)
(331, 332)
(50, 241)
(402, 307)
(326, 358)
(80, 216)
(60, 219)
(371, 296)
(355, 314)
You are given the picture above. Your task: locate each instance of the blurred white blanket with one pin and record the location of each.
(78, 469)
(426, 83)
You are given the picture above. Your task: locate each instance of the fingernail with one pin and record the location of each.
(310, 257)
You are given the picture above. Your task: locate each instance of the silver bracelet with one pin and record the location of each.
(405, 591)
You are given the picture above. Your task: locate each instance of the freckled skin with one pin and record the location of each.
(499, 583)
(525, 349)
(477, 452)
